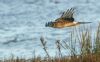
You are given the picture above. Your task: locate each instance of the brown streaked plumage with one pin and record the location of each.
(61, 24)
(66, 20)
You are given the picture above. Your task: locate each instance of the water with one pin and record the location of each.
(24, 21)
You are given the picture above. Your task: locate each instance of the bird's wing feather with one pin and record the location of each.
(68, 14)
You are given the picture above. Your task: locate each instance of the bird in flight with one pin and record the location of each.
(66, 20)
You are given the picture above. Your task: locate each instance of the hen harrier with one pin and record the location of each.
(66, 20)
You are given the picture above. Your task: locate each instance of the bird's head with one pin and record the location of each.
(49, 24)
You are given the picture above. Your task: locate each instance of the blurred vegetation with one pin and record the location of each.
(88, 48)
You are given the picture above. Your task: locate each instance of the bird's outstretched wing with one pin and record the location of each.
(68, 14)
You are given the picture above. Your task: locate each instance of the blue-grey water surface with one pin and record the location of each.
(22, 23)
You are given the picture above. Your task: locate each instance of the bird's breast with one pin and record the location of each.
(62, 24)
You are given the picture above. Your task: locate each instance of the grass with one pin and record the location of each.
(88, 49)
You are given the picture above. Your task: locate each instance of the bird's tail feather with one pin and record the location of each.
(84, 22)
